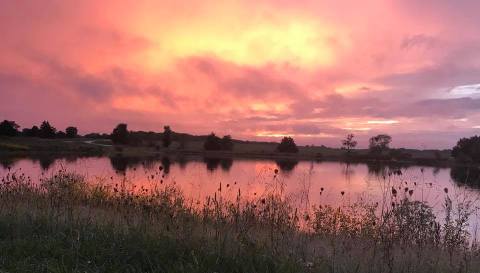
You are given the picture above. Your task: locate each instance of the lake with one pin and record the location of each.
(304, 183)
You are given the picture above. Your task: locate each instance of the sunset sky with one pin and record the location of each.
(312, 69)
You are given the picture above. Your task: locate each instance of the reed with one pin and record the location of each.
(69, 223)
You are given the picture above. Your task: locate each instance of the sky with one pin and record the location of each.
(315, 70)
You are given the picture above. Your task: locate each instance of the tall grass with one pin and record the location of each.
(66, 223)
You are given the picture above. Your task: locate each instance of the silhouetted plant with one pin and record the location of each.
(167, 136)
(287, 146)
(8, 128)
(120, 134)
(46, 130)
(467, 150)
(60, 134)
(227, 143)
(71, 132)
(380, 143)
(33, 132)
(349, 143)
(212, 143)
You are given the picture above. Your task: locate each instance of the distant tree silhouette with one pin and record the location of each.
(8, 128)
(349, 143)
(120, 134)
(379, 144)
(33, 132)
(212, 143)
(61, 134)
(287, 146)
(227, 143)
(72, 132)
(46, 130)
(467, 150)
(167, 136)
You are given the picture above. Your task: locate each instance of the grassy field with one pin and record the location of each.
(68, 223)
(29, 145)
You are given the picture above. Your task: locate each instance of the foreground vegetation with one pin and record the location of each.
(65, 223)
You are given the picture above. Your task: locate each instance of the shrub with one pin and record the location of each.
(467, 150)
(287, 145)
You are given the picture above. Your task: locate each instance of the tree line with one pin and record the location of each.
(467, 150)
(44, 130)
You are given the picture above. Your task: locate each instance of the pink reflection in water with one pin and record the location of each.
(304, 183)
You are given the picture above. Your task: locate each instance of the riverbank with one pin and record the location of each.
(69, 223)
(21, 146)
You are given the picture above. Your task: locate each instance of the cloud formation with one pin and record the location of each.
(315, 70)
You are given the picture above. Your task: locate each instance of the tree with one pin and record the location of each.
(60, 134)
(120, 134)
(212, 143)
(46, 130)
(71, 132)
(467, 150)
(348, 143)
(33, 132)
(287, 146)
(227, 143)
(380, 143)
(167, 136)
(8, 128)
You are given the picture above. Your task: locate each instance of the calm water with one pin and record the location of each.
(302, 182)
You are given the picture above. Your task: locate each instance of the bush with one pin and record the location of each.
(47, 130)
(214, 143)
(467, 150)
(287, 146)
(120, 134)
(8, 128)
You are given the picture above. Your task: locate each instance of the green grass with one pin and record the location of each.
(37, 245)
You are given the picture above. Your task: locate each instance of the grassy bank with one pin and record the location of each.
(26, 146)
(65, 224)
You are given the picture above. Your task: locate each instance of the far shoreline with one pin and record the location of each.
(22, 147)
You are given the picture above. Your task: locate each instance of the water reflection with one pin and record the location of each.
(290, 169)
(7, 163)
(466, 175)
(166, 164)
(46, 162)
(213, 163)
(286, 165)
(120, 163)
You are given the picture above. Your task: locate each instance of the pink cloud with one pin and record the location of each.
(150, 63)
